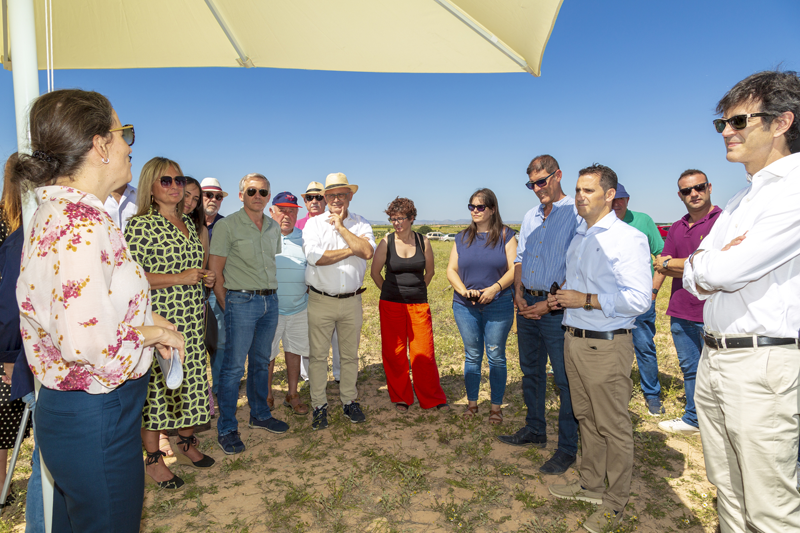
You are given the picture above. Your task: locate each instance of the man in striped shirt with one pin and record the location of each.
(546, 232)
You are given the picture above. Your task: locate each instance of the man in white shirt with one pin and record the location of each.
(337, 246)
(608, 285)
(121, 205)
(747, 270)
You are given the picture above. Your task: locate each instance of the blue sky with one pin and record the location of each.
(632, 85)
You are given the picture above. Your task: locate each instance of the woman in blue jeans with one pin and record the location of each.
(481, 271)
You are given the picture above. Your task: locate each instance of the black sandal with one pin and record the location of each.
(182, 458)
(175, 483)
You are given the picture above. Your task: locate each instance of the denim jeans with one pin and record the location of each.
(485, 326)
(250, 323)
(219, 356)
(537, 339)
(645, 348)
(688, 339)
(34, 506)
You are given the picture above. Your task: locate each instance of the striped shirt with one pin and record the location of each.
(543, 244)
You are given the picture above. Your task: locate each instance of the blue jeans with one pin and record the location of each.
(250, 323)
(488, 326)
(537, 339)
(219, 356)
(34, 506)
(645, 348)
(688, 339)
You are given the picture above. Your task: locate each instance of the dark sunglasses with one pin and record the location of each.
(739, 122)
(700, 187)
(252, 192)
(478, 208)
(540, 183)
(166, 181)
(128, 135)
(210, 195)
(317, 197)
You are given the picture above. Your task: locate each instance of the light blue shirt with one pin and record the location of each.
(612, 260)
(291, 273)
(542, 247)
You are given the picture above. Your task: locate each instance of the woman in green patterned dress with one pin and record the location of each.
(164, 241)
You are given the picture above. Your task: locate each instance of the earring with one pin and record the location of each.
(106, 160)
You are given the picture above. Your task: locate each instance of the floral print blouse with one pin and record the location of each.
(81, 296)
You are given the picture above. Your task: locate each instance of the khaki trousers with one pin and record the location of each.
(325, 314)
(599, 374)
(747, 406)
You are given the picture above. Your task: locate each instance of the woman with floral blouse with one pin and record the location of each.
(86, 322)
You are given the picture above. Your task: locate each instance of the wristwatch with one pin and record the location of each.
(655, 292)
(588, 305)
(665, 263)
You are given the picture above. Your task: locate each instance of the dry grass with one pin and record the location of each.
(424, 471)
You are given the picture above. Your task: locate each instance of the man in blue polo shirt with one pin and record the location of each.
(292, 299)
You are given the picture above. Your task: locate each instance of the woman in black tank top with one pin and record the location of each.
(406, 327)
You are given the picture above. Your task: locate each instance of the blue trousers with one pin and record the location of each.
(537, 339)
(219, 355)
(34, 504)
(645, 348)
(688, 339)
(92, 445)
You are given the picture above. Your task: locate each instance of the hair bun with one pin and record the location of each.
(43, 156)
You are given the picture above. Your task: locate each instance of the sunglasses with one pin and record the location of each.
(540, 183)
(210, 195)
(252, 192)
(398, 219)
(478, 208)
(337, 195)
(317, 197)
(166, 181)
(700, 187)
(128, 135)
(739, 122)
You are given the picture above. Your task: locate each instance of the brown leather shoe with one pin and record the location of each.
(293, 401)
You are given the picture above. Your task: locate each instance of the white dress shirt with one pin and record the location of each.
(121, 212)
(319, 236)
(755, 285)
(612, 260)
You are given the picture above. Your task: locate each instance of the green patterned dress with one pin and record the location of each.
(161, 248)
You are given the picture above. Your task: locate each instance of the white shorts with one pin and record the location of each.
(292, 330)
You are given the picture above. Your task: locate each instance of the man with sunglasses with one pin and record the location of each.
(243, 258)
(747, 270)
(645, 330)
(315, 203)
(541, 259)
(686, 311)
(212, 195)
(337, 248)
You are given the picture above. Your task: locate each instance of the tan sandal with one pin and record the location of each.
(293, 401)
(164, 445)
(496, 417)
(470, 411)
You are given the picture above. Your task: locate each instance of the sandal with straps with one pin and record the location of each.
(496, 417)
(164, 446)
(175, 483)
(298, 407)
(470, 411)
(182, 458)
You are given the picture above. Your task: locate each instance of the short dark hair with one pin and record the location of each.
(544, 162)
(63, 124)
(403, 206)
(691, 172)
(608, 178)
(776, 91)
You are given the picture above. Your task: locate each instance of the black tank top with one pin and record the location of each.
(404, 281)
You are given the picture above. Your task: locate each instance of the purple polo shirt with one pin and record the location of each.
(681, 242)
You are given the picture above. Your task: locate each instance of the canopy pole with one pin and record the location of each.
(243, 59)
(490, 37)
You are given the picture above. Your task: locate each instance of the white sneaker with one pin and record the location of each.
(678, 426)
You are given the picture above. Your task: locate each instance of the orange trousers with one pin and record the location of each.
(407, 330)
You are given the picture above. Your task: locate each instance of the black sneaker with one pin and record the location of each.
(524, 437)
(320, 420)
(353, 411)
(558, 463)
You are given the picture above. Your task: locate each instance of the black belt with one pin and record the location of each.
(343, 295)
(259, 292)
(604, 335)
(536, 293)
(721, 343)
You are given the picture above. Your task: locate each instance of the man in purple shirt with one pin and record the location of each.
(686, 311)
